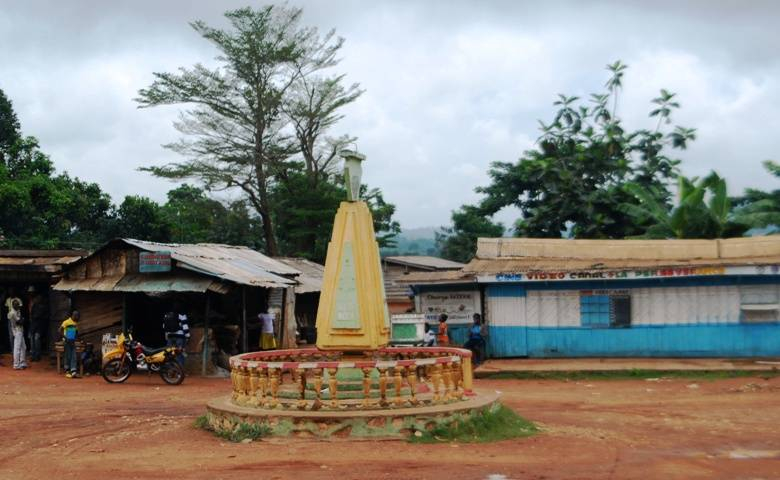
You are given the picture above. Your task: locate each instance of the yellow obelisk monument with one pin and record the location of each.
(352, 314)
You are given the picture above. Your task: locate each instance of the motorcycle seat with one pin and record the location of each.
(152, 351)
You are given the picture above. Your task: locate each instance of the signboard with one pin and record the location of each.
(150, 262)
(458, 305)
(633, 274)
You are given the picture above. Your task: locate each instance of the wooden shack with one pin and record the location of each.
(129, 284)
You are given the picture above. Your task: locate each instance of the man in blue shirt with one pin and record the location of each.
(476, 341)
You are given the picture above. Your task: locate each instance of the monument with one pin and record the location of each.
(353, 384)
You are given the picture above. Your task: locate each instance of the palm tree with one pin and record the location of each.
(703, 210)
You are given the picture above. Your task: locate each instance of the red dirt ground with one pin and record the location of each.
(52, 428)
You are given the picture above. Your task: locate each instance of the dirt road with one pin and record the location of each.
(54, 428)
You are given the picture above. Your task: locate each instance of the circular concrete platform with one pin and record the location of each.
(224, 415)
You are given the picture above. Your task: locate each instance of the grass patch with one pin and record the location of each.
(490, 425)
(241, 432)
(632, 374)
(202, 422)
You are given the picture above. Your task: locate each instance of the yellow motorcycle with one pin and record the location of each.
(131, 356)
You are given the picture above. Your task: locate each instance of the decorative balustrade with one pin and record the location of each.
(311, 379)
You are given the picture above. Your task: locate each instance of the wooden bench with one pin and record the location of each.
(59, 347)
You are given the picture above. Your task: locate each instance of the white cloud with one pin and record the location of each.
(450, 86)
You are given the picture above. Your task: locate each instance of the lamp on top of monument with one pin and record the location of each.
(353, 172)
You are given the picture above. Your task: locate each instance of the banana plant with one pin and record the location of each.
(703, 210)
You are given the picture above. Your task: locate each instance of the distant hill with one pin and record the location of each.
(414, 241)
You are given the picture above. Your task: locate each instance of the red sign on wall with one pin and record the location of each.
(154, 262)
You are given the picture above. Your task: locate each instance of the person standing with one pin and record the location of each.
(476, 341)
(429, 338)
(177, 333)
(443, 336)
(38, 323)
(17, 330)
(267, 337)
(8, 302)
(70, 332)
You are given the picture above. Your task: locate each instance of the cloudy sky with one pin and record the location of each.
(451, 86)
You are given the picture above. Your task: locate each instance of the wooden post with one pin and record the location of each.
(206, 336)
(289, 340)
(124, 313)
(244, 339)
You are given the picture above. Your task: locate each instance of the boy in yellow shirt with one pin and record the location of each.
(70, 331)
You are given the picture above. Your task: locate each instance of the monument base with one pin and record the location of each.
(392, 423)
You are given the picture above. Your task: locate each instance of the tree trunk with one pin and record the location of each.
(271, 247)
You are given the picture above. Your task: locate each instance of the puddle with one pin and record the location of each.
(741, 453)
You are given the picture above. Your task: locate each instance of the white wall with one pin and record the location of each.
(649, 306)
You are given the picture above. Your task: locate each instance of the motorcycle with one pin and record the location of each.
(130, 355)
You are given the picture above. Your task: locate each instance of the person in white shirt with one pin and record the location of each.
(429, 338)
(17, 329)
(267, 337)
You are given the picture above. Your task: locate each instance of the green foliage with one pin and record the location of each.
(193, 217)
(45, 210)
(260, 119)
(574, 182)
(304, 213)
(10, 130)
(202, 422)
(489, 425)
(242, 431)
(703, 210)
(759, 209)
(459, 242)
(142, 218)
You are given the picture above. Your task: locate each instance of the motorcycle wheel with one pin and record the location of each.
(116, 371)
(171, 372)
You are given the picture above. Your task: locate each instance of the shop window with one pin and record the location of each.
(604, 310)
(759, 303)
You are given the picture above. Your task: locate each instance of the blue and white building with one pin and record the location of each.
(621, 298)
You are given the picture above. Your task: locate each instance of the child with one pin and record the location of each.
(70, 331)
(429, 339)
(443, 338)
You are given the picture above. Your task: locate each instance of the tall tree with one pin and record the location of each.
(236, 135)
(314, 107)
(10, 131)
(573, 183)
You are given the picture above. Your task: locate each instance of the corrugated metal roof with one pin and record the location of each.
(310, 279)
(98, 284)
(140, 282)
(424, 262)
(236, 264)
(45, 263)
(395, 291)
(441, 276)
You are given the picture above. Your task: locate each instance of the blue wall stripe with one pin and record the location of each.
(725, 340)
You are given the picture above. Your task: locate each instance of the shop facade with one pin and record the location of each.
(665, 298)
